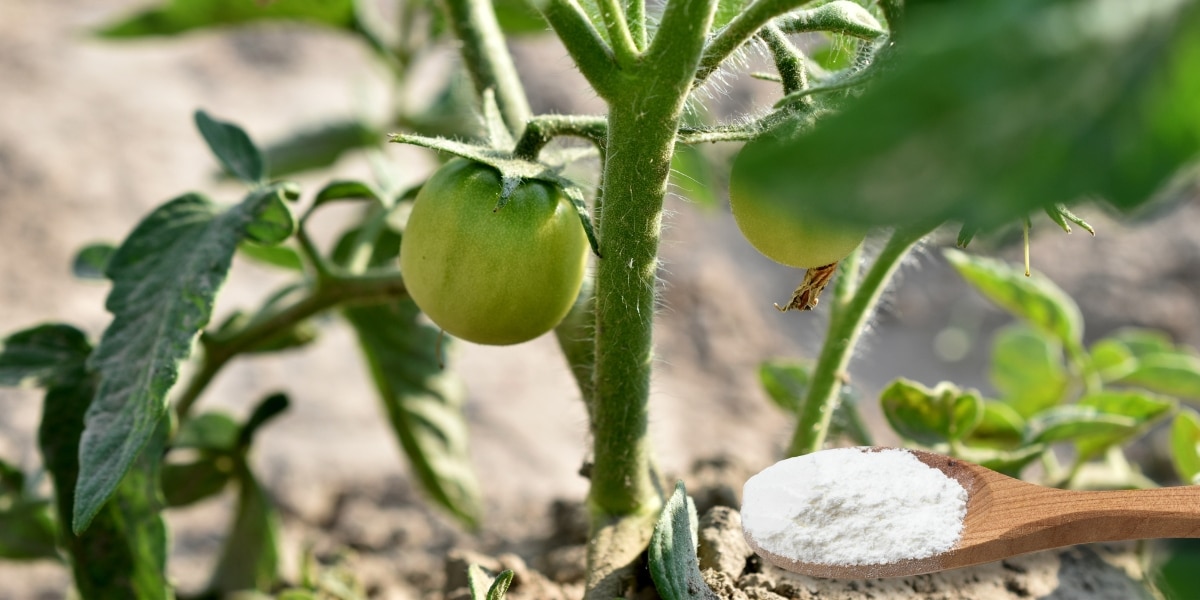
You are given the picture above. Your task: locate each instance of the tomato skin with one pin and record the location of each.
(779, 227)
(492, 277)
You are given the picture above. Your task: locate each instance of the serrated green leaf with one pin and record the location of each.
(274, 222)
(91, 260)
(1035, 298)
(42, 355)
(191, 482)
(423, 401)
(672, 553)
(930, 417)
(1027, 369)
(177, 16)
(250, 558)
(283, 257)
(1185, 446)
(27, 530)
(123, 553)
(1111, 359)
(1173, 373)
(319, 147)
(233, 148)
(165, 278)
(692, 176)
(990, 110)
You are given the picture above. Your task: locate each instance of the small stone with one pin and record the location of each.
(723, 546)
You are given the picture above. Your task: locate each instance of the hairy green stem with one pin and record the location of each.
(487, 58)
(624, 47)
(218, 351)
(844, 329)
(543, 128)
(789, 62)
(636, 9)
(739, 31)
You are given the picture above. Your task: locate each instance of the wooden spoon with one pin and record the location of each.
(1006, 517)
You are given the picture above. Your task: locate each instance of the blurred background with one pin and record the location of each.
(95, 133)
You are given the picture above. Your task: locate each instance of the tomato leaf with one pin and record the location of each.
(1143, 408)
(1009, 462)
(91, 260)
(233, 148)
(993, 109)
(250, 558)
(672, 553)
(1144, 342)
(931, 417)
(1035, 298)
(342, 189)
(177, 16)
(1027, 369)
(786, 383)
(1000, 426)
(423, 401)
(280, 256)
(319, 146)
(1073, 422)
(187, 483)
(273, 223)
(165, 278)
(123, 552)
(27, 529)
(42, 355)
(1171, 373)
(1185, 446)
(1111, 359)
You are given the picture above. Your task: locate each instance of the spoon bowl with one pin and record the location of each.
(1007, 517)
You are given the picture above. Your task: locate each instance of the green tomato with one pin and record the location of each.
(781, 228)
(487, 276)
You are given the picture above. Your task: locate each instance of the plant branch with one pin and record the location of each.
(488, 59)
(591, 54)
(829, 373)
(739, 31)
(788, 60)
(624, 47)
(637, 22)
(219, 350)
(543, 128)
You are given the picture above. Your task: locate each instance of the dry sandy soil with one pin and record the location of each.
(93, 135)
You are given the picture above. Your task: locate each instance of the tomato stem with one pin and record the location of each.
(487, 58)
(844, 329)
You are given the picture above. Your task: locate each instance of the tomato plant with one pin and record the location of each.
(492, 275)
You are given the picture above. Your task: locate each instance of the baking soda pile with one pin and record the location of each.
(852, 506)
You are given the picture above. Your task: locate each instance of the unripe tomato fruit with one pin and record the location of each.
(778, 226)
(486, 276)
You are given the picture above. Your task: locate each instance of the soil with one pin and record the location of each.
(95, 134)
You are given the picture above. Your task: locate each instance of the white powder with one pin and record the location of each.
(851, 506)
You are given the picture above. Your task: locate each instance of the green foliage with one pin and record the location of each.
(92, 260)
(1035, 299)
(931, 417)
(27, 528)
(422, 399)
(786, 384)
(178, 16)
(991, 110)
(240, 157)
(484, 587)
(1185, 446)
(165, 278)
(1092, 400)
(672, 555)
